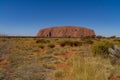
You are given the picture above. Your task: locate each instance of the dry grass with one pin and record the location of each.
(32, 55)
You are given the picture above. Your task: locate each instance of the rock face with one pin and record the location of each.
(66, 31)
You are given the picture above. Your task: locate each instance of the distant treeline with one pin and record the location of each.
(87, 37)
(42, 37)
(19, 37)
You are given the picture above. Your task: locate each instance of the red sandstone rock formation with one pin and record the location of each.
(66, 31)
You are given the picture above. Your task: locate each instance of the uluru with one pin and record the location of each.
(66, 31)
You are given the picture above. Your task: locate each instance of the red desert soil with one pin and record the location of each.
(3, 62)
(4, 65)
(65, 66)
(40, 52)
(113, 77)
(67, 55)
(58, 46)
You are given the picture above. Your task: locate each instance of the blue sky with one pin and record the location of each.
(26, 17)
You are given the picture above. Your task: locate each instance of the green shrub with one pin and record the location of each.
(88, 41)
(117, 40)
(70, 43)
(42, 41)
(51, 45)
(2, 75)
(101, 48)
(41, 46)
(112, 37)
(77, 43)
(100, 37)
(62, 44)
(60, 74)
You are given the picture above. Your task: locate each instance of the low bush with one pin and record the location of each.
(60, 74)
(2, 75)
(117, 40)
(70, 43)
(42, 41)
(100, 37)
(101, 48)
(41, 46)
(77, 43)
(112, 37)
(62, 44)
(88, 41)
(51, 45)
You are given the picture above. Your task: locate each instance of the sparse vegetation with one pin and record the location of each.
(100, 37)
(70, 43)
(60, 74)
(51, 45)
(42, 41)
(101, 48)
(30, 72)
(88, 41)
(41, 46)
(62, 44)
(112, 36)
(2, 75)
(77, 43)
(57, 58)
(84, 68)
